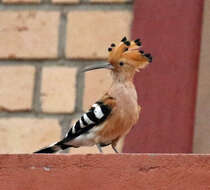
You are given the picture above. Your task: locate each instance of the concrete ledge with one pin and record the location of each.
(96, 172)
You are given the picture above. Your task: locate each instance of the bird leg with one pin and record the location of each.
(99, 148)
(114, 144)
(114, 148)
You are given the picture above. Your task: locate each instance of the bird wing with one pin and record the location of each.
(96, 115)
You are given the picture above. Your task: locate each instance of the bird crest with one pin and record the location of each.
(128, 52)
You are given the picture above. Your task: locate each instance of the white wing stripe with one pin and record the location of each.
(98, 112)
(81, 123)
(73, 129)
(87, 119)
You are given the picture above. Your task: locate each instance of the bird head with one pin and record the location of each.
(125, 58)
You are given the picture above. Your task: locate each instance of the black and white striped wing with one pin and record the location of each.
(96, 115)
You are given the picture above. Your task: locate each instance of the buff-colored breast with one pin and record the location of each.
(124, 114)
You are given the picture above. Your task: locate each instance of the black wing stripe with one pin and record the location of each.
(92, 117)
(83, 121)
(106, 110)
(77, 126)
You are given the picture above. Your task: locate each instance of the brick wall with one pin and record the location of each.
(43, 45)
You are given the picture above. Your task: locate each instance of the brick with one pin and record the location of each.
(65, 1)
(92, 149)
(21, 1)
(96, 84)
(26, 34)
(58, 89)
(26, 135)
(98, 29)
(16, 84)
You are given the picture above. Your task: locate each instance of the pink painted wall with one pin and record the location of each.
(170, 30)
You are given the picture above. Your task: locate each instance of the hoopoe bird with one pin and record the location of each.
(111, 117)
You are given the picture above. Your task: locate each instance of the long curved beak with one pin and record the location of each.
(98, 66)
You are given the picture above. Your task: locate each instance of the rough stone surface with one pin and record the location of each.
(116, 172)
(26, 135)
(65, 1)
(101, 28)
(58, 89)
(202, 129)
(96, 84)
(16, 84)
(21, 1)
(28, 34)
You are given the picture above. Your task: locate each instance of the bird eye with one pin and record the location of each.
(121, 63)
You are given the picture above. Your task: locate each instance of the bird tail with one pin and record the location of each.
(56, 147)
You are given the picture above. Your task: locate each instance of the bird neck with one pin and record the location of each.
(123, 85)
(122, 77)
